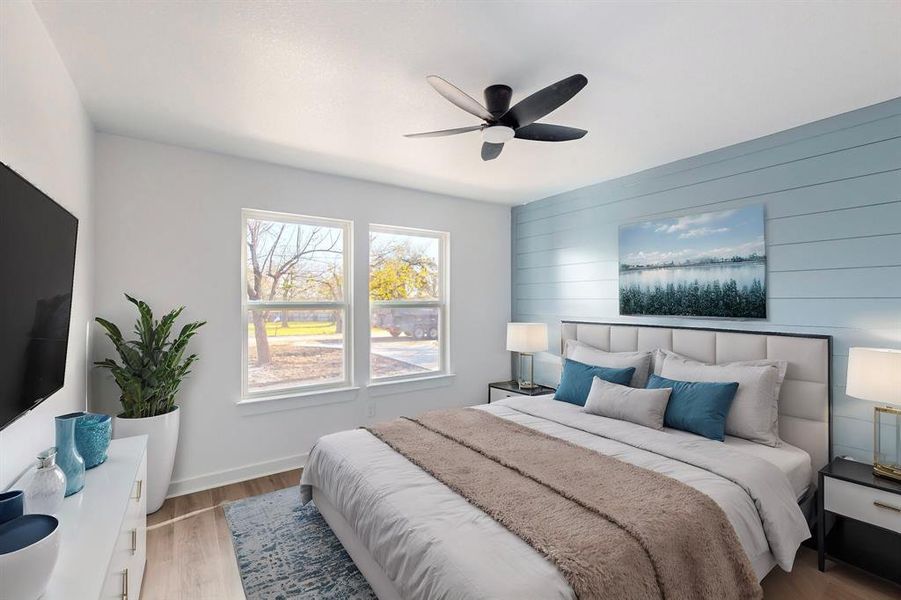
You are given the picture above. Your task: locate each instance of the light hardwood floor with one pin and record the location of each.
(190, 554)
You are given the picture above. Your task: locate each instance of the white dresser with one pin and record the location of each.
(103, 550)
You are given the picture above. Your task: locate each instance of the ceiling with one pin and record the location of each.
(333, 86)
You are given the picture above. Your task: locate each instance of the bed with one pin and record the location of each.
(413, 537)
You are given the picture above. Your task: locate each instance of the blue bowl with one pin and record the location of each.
(29, 548)
(12, 505)
(26, 530)
(92, 437)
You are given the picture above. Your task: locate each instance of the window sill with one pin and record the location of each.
(411, 384)
(294, 400)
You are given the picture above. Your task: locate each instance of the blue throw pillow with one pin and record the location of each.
(699, 407)
(575, 382)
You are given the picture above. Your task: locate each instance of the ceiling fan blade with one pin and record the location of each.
(491, 151)
(444, 132)
(542, 132)
(542, 102)
(459, 98)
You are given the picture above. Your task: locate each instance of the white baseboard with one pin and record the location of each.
(228, 476)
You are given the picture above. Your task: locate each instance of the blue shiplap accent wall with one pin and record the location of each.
(832, 191)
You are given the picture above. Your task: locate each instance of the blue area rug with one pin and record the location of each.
(286, 550)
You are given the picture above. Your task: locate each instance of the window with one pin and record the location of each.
(408, 281)
(296, 303)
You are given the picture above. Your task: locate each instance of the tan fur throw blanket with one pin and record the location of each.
(614, 530)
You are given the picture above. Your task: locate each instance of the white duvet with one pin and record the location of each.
(433, 544)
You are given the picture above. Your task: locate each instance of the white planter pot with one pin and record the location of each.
(162, 440)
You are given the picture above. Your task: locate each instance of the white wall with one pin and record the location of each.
(169, 231)
(46, 137)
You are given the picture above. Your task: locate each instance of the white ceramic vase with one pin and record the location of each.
(47, 486)
(162, 440)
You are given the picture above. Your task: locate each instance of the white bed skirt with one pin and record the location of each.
(378, 580)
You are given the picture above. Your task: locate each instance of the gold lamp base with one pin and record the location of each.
(881, 469)
(887, 471)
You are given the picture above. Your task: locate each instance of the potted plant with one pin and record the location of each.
(149, 372)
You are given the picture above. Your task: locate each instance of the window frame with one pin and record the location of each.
(442, 302)
(346, 305)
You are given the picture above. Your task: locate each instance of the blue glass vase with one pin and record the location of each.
(67, 456)
(92, 437)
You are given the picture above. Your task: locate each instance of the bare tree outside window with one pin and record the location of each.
(294, 272)
(296, 302)
(290, 262)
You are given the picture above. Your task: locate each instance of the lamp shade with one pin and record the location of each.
(875, 374)
(527, 337)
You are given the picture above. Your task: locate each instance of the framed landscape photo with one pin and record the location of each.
(706, 265)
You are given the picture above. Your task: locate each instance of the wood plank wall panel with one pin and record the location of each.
(832, 191)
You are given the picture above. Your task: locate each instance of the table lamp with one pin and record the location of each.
(875, 374)
(527, 338)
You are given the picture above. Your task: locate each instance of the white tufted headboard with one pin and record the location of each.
(805, 401)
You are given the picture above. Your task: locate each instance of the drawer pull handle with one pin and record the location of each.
(137, 495)
(125, 584)
(888, 506)
(134, 541)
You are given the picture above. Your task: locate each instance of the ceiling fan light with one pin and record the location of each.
(497, 134)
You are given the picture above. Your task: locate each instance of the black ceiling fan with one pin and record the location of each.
(503, 123)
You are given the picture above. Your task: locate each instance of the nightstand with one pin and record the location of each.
(504, 389)
(860, 519)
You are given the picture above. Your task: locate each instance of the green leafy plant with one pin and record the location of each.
(152, 367)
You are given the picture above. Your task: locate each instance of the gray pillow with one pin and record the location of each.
(589, 355)
(754, 414)
(636, 405)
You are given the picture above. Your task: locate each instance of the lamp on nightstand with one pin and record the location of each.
(875, 374)
(527, 338)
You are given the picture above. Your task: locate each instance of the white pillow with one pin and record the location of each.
(754, 414)
(589, 355)
(645, 407)
(659, 354)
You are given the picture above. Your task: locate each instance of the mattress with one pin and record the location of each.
(431, 543)
(792, 461)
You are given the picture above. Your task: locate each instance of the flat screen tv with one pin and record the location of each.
(37, 265)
